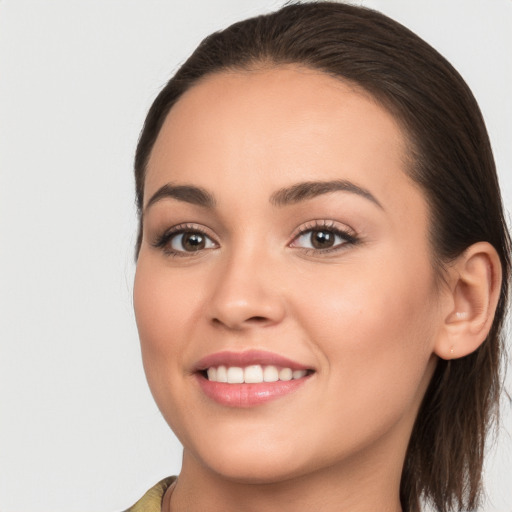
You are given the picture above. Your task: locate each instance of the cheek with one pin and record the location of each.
(352, 300)
(162, 306)
(375, 332)
(165, 310)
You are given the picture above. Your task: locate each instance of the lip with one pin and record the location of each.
(247, 358)
(248, 395)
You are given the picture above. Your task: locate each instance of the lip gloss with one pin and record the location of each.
(248, 394)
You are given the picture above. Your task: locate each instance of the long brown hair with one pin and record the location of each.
(450, 158)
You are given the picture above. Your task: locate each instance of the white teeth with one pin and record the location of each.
(212, 373)
(270, 374)
(235, 375)
(285, 374)
(222, 374)
(253, 374)
(298, 374)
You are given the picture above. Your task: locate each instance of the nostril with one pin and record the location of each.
(257, 319)
(245, 312)
(253, 320)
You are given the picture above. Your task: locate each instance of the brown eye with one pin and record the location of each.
(322, 239)
(193, 241)
(190, 241)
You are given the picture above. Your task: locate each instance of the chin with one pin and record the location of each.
(255, 461)
(257, 472)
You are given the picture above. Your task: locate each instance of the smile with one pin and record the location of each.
(246, 379)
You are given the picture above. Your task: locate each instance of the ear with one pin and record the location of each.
(474, 284)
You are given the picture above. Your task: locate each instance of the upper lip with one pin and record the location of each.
(247, 358)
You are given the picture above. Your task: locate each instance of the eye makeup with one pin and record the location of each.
(323, 237)
(317, 237)
(192, 238)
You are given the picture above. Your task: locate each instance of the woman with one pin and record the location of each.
(322, 269)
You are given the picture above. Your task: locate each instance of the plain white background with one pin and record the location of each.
(78, 429)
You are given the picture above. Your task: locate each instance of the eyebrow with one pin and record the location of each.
(282, 197)
(187, 193)
(310, 189)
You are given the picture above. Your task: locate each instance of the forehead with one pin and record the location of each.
(285, 124)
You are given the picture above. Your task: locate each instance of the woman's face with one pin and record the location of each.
(283, 239)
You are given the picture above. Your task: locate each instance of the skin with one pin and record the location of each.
(366, 317)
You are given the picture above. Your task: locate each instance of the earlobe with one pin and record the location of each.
(474, 284)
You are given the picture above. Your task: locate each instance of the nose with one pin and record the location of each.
(246, 294)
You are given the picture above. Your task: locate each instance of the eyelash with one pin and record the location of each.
(163, 241)
(350, 239)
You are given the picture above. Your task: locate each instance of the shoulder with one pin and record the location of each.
(152, 500)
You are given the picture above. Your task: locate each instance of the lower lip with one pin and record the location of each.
(248, 395)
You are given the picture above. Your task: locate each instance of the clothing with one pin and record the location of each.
(152, 500)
